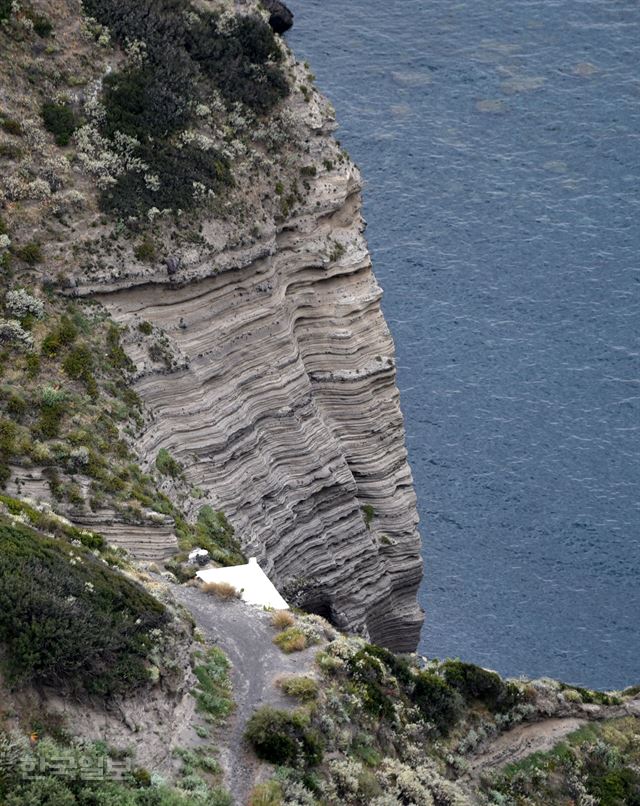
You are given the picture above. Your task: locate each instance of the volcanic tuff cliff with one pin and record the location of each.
(283, 407)
(261, 354)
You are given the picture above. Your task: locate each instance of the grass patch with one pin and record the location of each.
(300, 687)
(282, 619)
(267, 794)
(291, 640)
(221, 590)
(213, 692)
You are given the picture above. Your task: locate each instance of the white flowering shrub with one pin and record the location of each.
(107, 159)
(346, 775)
(22, 304)
(18, 188)
(12, 333)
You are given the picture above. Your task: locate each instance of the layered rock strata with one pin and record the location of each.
(276, 391)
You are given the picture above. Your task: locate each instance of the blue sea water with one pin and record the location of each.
(500, 142)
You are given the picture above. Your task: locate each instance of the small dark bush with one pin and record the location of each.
(8, 433)
(438, 702)
(41, 25)
(30, 253)
(145, 251)
(146, 328)
(79, 363)
(282, 737)
(63, 336)
(115, 352)
(397, 665)
(10, 125)
(52, 411)
(9, 151)
(68, 620)
(5, 9)
(16, 406)
(60, 120)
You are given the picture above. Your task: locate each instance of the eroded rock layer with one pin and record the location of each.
(269, 374)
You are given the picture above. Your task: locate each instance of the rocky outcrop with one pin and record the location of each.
(280, 17)
(272, 381)
(151, 538)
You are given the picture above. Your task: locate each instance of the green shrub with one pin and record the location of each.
(78, 364)
(10, 151)
(115, 352)
(5, 9)
(10, 125)
(369, 672)
(68, 620)
(267, 794)
(145, 251)
(590, 696)
(241, 61)
(214, 533)
(8, 432)
(438, 702)
(41, 25)
(368, 512)
(30, 253)
(167, 465)
(475, 683)
(146, 328)
(141, 102)
(63, 336)
(60, 120)
(282, 737)
(53, 407)
(177, 170)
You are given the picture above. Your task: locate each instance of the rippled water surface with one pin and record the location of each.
(500, 141)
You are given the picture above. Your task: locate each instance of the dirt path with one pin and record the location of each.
(521, 742)
(535, 737)
(245, 634)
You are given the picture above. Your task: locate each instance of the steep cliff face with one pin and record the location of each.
(282, 404)
(252, 316)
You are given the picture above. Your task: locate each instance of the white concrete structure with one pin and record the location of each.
(250, 581)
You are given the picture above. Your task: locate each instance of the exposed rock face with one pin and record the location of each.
(277, 394)
(280, 17)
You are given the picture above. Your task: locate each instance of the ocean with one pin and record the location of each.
(500, 144)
